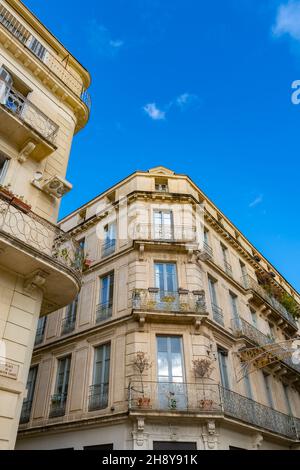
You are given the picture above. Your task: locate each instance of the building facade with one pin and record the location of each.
(43, 103)
(156, 351)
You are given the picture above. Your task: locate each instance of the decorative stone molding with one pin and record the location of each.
(210, 436)
(257, 441)
(35, 280)
(26, 151)
(140, 438)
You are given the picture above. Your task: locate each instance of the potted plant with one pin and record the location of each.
(6, 193)
(202, 367)
(86, 263)
(206, 404)
(142, 364)
(172, 400)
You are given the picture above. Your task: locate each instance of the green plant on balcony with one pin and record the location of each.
(172, 401)
(290, 304)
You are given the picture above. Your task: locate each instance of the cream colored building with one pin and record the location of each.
(168, 275)
(43, 103)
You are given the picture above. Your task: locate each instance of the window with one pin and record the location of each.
(98, 398)
(217, 311)
(163, 225)
(104, 309)
(37, 48)
(161, 185)
(287, 399)
(253, 317)
(4, 162)
(166, 277)
(223, 358)
(244, 273)
(68, 323)
(27, 403)
(81, 243)
(39, 337)
(272, 331)
(59, 399)
(247, 383)
(266, 378)
(109, 244)
(234, 307)
(170, 373)
(227, 266)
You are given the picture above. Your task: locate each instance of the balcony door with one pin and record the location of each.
(172, 393)
(99, 389)
(166, 282)
(163, 225)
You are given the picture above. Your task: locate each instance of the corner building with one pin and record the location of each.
(151, 354)
(43, 103)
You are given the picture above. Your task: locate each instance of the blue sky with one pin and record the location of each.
(201, 87)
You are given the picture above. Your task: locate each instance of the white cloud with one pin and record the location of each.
(101, 39)
(256, 201)
(185, 99)
(154, 112)
(288, 20)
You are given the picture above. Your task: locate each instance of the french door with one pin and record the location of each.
(166, 282)
(163, 225)
(172, 393)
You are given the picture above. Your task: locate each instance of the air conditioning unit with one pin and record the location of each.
(55, 186)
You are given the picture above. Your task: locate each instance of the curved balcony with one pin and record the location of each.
(205, 399)
(40, 252)
(25, 122)
(165, 233)
(52, 63)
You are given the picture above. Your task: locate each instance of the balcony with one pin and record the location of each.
(218, 315)
(42, 252)
(165, 233)
(52, 64)
(206, 252)
(108, 248)
(251, 412)
(103, 311)
(26, 411)
(98, 396)
(207, 399)
(68, 324)
(281, 352)
(27, 126)
(228, 268)
(58, 405)
(261, 294)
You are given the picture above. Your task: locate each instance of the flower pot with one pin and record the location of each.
(206, 404)
(19, 204)
(144, 402)
(6, 194)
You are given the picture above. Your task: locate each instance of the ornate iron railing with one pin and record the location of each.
(251, 284)
(228, 268)
(57, 67)
(98, 396)
(206, 252)
(103, 311)
(30, 114)
(26, 411)
(58, 405)
(164, 301)
(241, 327)
(40, 235)
(207, 398)
(174, 397)
(218, 315)
(68, 324)
(108, 248)
(161, 232)
(252, 412)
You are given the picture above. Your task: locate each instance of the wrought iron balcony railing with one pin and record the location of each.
(156, 300)
(58, 405)
(41, 236)
(228, 268)
(251, 284)
(282, 352)
(98, 396)
(39, 337)
(261, 416)
(26, 411)
(108, 248)
(165, 233)
(209, 398)
(218, 315)
(103, 311)
(206, 252)
(68, 324)
(30, 114)
(58, 67)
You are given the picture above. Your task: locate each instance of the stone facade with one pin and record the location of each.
(41, 107)
(170, 289)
